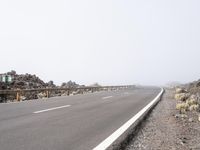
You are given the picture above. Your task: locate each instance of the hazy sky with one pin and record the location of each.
(110, 42)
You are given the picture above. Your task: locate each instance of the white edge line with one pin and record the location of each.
(114, 136)
(107, 97)
(54, 108)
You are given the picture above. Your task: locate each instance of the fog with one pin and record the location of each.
(110, 42)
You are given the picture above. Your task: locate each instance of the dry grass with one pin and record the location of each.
(191, 101)
(194, 107)
(180, 90)
(181, 96)
(186, 101)
(182, 107)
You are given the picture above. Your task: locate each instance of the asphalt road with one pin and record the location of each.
(78, 122)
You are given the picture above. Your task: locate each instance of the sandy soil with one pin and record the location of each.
(165, 129)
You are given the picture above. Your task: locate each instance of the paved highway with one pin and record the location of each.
(78, 122)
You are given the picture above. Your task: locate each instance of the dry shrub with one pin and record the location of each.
(192, 101)
(181, 96)
(179, 90)
(194, 107)
(182, 107)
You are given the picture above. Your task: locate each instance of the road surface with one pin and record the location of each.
(78, 122)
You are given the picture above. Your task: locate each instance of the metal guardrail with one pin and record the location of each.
(18, 93)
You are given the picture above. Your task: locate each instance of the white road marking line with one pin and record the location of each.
(114, 136)
(126, 93)
(107, 97)
(54, 108)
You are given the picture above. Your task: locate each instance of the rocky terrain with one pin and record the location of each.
(70, 84)
(28, 81)
(166, 129)
(174, 124)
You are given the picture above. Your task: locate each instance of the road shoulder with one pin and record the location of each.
(162, 130)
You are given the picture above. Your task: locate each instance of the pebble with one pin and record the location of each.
(181, 116)
(191, 120)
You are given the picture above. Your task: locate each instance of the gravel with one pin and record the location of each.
(165, 129)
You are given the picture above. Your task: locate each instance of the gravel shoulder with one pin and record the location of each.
(164, 129)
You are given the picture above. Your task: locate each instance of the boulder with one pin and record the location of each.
(41, 95)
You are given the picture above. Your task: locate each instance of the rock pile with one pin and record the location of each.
(27, 81)
(69, 84)
(96, 85)
(193, 87)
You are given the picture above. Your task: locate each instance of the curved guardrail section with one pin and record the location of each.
(48, 91)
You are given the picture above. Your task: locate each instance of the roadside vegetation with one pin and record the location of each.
(187, 102)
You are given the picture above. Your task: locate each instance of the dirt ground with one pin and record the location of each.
(165, 129)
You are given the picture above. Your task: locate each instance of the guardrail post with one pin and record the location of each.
(3, 98)
(47, 93)
(68, 92)
(18, 96)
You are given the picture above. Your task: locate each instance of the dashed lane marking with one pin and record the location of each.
(107, 97)
(54, 108)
